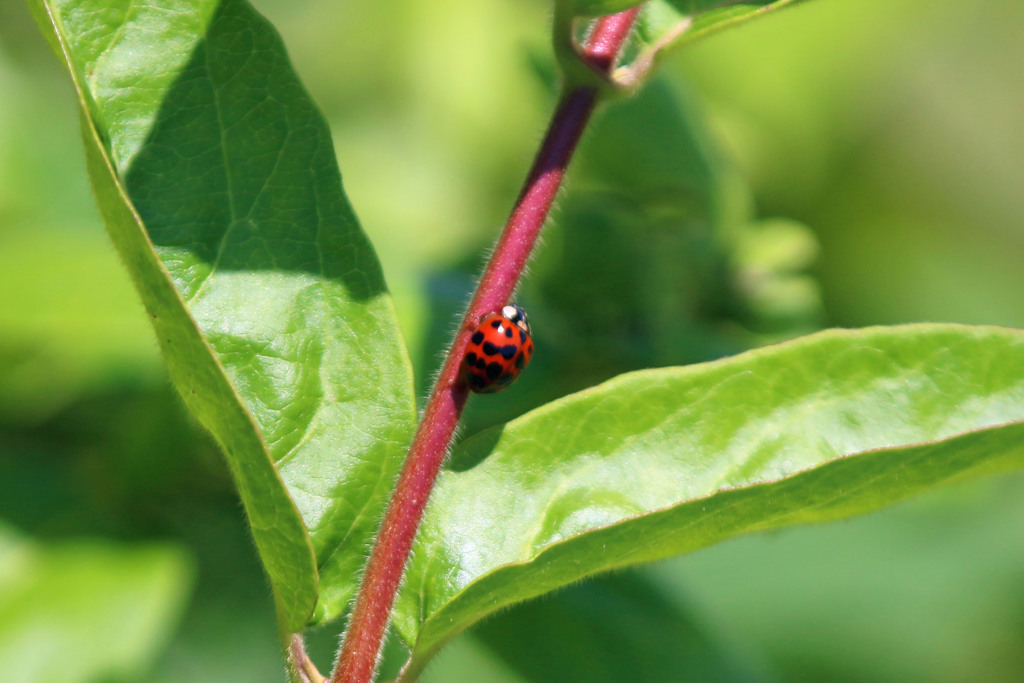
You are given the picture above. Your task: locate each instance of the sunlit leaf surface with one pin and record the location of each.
(661, 462)
(217, 179)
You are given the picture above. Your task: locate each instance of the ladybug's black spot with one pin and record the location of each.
(508, 332)
(490, 349)
(520, 361)
(477, 337)
(477, 381)
(505, 380)
(522, 335)
(494, 369)
(481, 363)
(495, 324)
(508, 351)
(470, 358)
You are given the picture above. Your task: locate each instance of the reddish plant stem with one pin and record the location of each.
(364, 637)
(606, 39)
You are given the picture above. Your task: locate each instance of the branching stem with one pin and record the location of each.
(365, 634)
(300, 666)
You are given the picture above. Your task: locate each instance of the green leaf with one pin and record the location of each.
(84, 611)
(667, 23)
(660, 462)
(660, 25)
(217, 179)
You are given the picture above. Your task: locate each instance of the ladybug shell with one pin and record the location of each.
(498, 351)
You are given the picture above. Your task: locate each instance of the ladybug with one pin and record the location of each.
(498, 351)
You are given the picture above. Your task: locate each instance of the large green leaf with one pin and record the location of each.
(217, 179)
(661, 462)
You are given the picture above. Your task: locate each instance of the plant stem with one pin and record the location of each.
(299, 663)
(365, 634)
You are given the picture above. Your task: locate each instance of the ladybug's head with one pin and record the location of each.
(517, 315)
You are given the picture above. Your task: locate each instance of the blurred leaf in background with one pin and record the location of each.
(69, 321)
(927, 590)
(623, 628)
(81, 611)
(893, 129)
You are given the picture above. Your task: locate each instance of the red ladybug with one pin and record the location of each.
(498, 351)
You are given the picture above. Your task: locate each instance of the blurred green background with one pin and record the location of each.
(877, 143)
